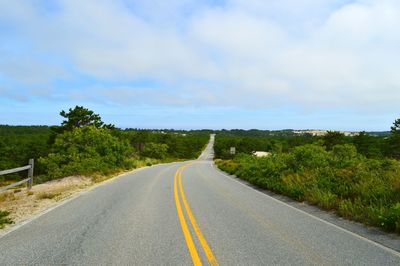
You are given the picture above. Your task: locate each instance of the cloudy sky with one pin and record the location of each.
(267, 64)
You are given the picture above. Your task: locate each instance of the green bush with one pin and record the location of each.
(155, 150)
(86, 150)
(308, 156)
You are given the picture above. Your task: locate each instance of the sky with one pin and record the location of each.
(186, 64)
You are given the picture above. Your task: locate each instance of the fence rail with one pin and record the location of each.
(29, 180)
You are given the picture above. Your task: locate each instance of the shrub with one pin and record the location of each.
(86, 150)
(308, 156)
(344, 155)
(155, 150)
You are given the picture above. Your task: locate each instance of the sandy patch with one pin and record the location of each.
(23, 204)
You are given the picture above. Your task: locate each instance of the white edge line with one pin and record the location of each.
(74, 196)
(394, 252)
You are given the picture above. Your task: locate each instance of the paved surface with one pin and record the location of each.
(184, 213)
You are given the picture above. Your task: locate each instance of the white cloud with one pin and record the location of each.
(237, 34)
(247, 53)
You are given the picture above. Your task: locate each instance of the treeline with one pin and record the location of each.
(371, 145)
(166, 143)
(248, 144)
(84, 145)
(358, 177)
(20, 143)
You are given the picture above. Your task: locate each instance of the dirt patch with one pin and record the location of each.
(24, 204)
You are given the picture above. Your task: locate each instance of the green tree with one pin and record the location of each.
(332, 138)
(367, 145)
(396, 126)
(394, 140)
(77, 117)
(80, 117)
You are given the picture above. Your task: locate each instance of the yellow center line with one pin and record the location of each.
(189, 241)
(207, 250)
(188, 237)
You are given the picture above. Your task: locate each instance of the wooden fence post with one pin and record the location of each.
(30, 173)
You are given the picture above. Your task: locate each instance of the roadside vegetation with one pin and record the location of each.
(357, 177)
(84, 145)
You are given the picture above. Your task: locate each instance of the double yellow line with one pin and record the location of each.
(185, 229)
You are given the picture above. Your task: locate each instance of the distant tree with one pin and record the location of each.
(277, 147)
(155, 150)
(332, 138)
(396, 126)
(394, 140)
(367, 145)
(139, 138)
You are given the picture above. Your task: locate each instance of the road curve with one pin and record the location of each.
(182, 214)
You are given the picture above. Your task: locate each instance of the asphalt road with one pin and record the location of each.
(182, 214)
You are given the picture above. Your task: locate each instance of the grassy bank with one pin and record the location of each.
(357, 188)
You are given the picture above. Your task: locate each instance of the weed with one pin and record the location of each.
(391, 220)
(4, 219)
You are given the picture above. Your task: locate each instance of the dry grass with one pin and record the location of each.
(47, 195)
(7, 196)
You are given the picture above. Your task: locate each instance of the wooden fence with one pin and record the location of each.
(28, 167)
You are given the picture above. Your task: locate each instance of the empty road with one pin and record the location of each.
(182, 214)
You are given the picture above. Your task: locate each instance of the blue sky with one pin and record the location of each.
(304, 64)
